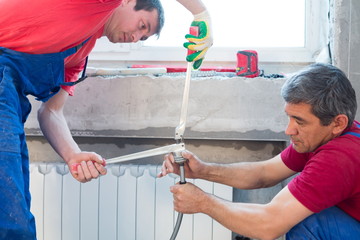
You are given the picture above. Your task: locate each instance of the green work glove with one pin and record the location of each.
(200, 43)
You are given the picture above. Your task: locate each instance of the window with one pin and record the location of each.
(256, 23)
(280, 30)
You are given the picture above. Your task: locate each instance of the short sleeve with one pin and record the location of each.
(324, 182)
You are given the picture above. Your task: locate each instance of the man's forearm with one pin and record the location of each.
(238, 175)
(194, 6)
(55, 129)
(247, 175)
(260, 221)
(248, 219)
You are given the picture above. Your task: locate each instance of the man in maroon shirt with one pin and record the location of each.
(323, 200)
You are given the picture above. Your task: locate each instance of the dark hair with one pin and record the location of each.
(326, 88)
(149, 5)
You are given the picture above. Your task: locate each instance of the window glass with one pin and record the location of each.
(239, 23)
(279, 30)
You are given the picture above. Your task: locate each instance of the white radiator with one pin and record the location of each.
(129, 203)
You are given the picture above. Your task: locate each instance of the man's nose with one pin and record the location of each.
(136, 36)
(290, 129)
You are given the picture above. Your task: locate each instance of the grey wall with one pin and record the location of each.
(149, 106)
(227, 120)
(345, 40)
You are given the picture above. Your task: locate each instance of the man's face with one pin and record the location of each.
(128, 25)
(304, 128)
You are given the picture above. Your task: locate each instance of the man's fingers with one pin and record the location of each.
(100, 168)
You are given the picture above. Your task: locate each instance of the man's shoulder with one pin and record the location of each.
(343, 148)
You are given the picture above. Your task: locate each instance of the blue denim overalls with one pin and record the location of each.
(21, 74)
(329, 224)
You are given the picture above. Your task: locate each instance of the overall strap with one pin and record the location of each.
(73, 50)
(82, 78)
(83, 75)
(353, 133)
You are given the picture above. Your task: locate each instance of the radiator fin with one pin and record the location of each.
(129, 203)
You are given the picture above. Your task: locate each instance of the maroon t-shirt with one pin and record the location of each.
(329, 176)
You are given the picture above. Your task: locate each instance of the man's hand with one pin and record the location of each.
(85, 166)
(193, 167)
(201, 43)
(188, 198)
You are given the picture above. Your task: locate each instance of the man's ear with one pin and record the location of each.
(340, 123)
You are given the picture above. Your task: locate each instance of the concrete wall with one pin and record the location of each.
(225, 108)
(120, 115)
(345, 40)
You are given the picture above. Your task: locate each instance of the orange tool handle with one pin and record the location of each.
(75, 165)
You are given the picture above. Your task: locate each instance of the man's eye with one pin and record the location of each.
(299, 123)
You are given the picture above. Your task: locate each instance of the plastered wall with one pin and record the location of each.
(345, 40)
(229, 119)
(225, 108)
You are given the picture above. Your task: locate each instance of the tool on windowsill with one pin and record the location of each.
(247, 64)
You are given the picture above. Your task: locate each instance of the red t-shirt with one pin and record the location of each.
(330, 176)
(50, 26)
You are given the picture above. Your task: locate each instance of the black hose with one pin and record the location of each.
(180, 215)
(177, 226)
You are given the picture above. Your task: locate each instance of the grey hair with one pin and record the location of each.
(326, 88)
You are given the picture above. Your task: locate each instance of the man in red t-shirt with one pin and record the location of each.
(323, 200)
(43, 47)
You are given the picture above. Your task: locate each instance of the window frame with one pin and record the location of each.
(137, 53)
